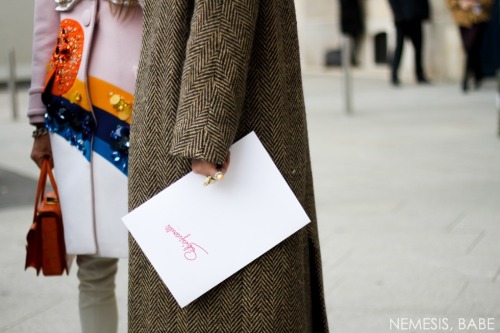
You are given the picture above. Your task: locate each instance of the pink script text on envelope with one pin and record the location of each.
(189, 248)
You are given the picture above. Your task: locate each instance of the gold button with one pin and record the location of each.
(76, 97)
(115, 99)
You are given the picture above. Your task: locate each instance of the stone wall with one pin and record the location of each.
(16, 29)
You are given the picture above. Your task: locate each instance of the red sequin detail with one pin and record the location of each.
(67, 56)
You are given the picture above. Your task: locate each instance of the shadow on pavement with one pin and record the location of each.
(16, 190)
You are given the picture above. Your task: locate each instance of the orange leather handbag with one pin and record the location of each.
(45, 249)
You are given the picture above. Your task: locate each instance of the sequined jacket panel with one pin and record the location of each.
(120, 46)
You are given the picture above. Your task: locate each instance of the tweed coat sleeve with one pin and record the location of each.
(46, 24)
(214, 78)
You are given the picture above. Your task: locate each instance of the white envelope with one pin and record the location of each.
(197, 236)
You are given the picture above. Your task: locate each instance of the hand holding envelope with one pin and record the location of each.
(213, 172)
(194, 245)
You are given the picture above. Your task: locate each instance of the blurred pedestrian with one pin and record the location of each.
(471, 17)
(352, 24)
(210, 73)
(85, 56)
(409, 16)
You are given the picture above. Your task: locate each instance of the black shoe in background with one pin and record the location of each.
(423, 80)
(465, 85)
(478, 83)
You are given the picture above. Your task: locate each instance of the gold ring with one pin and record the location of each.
(209, 180)
(212, 179)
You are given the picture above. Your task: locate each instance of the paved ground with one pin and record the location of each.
(408, 199)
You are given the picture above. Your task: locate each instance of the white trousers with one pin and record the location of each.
(97, 300)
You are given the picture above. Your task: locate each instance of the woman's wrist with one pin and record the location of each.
(40, 130)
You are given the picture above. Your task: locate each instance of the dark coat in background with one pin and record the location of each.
(210, 73)
(352, 17)
(410, 10)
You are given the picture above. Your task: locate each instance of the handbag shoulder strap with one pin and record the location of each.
(52, 179)
(45, 170)
(42, 181)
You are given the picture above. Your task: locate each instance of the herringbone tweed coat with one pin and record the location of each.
(210, 72)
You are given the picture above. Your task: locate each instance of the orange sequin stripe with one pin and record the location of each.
(67, 56)
(104, 96)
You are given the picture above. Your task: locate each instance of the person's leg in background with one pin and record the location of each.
(97, 300)
(471, 40)
(415, 34)
(475, 54)
(396, 60)
(465, 36)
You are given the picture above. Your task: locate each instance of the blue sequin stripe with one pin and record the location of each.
(71, 122)
(78, 127)
(111, 139)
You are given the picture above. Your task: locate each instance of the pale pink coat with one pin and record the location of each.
(93, 195)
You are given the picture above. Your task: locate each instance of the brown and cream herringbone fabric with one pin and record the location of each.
(211, 71)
